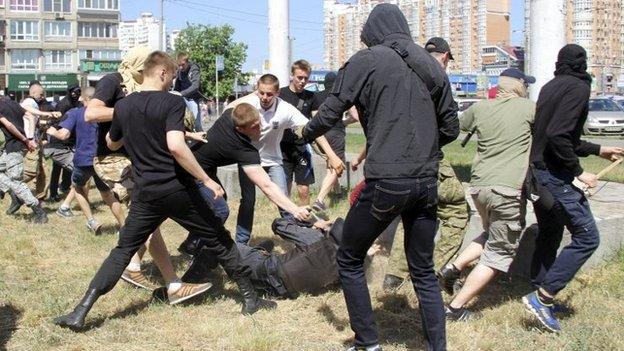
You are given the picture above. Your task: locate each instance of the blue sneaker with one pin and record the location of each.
(543, 312)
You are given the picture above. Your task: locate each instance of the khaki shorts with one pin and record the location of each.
(116, 171)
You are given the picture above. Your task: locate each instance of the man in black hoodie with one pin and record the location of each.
(562, 109)
(407, 112)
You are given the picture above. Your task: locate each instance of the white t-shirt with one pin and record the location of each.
(29, 102)
(274, 121)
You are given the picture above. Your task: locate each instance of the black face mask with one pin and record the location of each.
(572, 60)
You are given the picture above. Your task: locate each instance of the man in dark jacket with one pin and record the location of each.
(407, 112)
(188, 83)
(562, 109)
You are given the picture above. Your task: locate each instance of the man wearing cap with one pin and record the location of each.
(503, 126)
(452, 207)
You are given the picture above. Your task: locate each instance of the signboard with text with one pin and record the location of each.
(50, 82)
(97, 66)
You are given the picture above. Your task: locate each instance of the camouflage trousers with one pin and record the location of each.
(116, 171)
(12, 177)
(453, 219)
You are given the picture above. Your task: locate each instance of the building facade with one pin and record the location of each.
(142, 31)
(597, 26)
(51, 40)
(468, 26)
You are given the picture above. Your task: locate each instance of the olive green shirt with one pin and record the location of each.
(503, 127)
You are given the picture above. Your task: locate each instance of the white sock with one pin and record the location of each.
(174, 285)
(134, 267)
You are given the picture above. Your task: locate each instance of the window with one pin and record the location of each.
(97, 30)
(25, 59)
(100, 55)
(24, 30)
(1, 3)
(98, 4)
(25, 5)
(57, 60)
(57, 30)
(56, 6)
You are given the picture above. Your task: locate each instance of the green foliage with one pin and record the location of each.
(203, 43)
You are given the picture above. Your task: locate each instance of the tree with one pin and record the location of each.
(203, 43)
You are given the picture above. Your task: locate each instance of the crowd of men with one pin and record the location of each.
(143, 147)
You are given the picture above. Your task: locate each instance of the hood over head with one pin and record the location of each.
(385, 22)
(572, 60)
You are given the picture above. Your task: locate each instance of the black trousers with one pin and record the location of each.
(188, 209)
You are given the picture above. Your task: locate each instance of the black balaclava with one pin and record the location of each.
(330, 78)
(572, 60)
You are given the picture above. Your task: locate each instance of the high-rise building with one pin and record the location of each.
(142, 31)
(597, 26)
(51, 40)
(468, 26)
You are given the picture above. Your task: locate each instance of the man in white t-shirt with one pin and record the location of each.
(276, 116)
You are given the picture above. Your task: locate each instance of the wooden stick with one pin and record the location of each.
(609, 168)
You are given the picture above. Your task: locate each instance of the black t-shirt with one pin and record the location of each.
(14, 113)
(143, 119)
(109, 91)
(63, 106)
(303, 102)
(319, 99)
(225, 146)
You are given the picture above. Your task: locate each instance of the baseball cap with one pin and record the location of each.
(437, 44)
(518, 74)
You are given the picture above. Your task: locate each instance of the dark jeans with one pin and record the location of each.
(380, 202)
(550, 271)
(55, 176)
(188, 209)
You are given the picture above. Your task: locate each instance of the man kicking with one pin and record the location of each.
(150, 124)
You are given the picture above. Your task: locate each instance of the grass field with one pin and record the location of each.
(44, 270)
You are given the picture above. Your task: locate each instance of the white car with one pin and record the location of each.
(606, 117)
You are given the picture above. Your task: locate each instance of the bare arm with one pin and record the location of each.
(61, 134)
(113, 145)
(184, 156)
(260, 178)
(17, 134)
(35, 112)
(334, 161)
(98, 112)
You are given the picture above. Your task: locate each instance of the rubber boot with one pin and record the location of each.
(16, 203)
(75, 319)
(251, 301)
(39, 215)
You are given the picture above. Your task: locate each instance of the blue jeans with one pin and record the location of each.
(550, 271)
(82, 174)
(380, 202)
(244, 221)
(218, 206)
(192, 105)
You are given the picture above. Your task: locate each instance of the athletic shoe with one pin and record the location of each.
(543, 312)
(187, 291)
(461, 315)
(64, 212)
(447, 277)
(137, 279)
(94, 226)
(363, 348)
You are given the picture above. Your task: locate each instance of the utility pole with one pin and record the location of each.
(161, 25)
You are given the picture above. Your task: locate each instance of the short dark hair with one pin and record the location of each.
(158, 58)
(302, 65)
(269, 79)
(244, 114)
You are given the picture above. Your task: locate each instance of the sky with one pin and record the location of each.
(249, 18)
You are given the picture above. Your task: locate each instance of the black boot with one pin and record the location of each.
(201, 269)
(251, 301)
(39, 215)
(447, 276)
(191, 244)
(75, 319)
(16, 203)
(1, 195)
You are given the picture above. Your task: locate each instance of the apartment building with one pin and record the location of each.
(598, 26)
(58, 42)
(468, 26)
(142, 31)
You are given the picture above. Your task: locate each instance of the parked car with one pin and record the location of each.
(606, 117)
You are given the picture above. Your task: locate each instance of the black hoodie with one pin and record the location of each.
(404, 126)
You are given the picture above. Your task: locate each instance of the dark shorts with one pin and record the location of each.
(81, 176)
(336, 140)
(298, 161)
